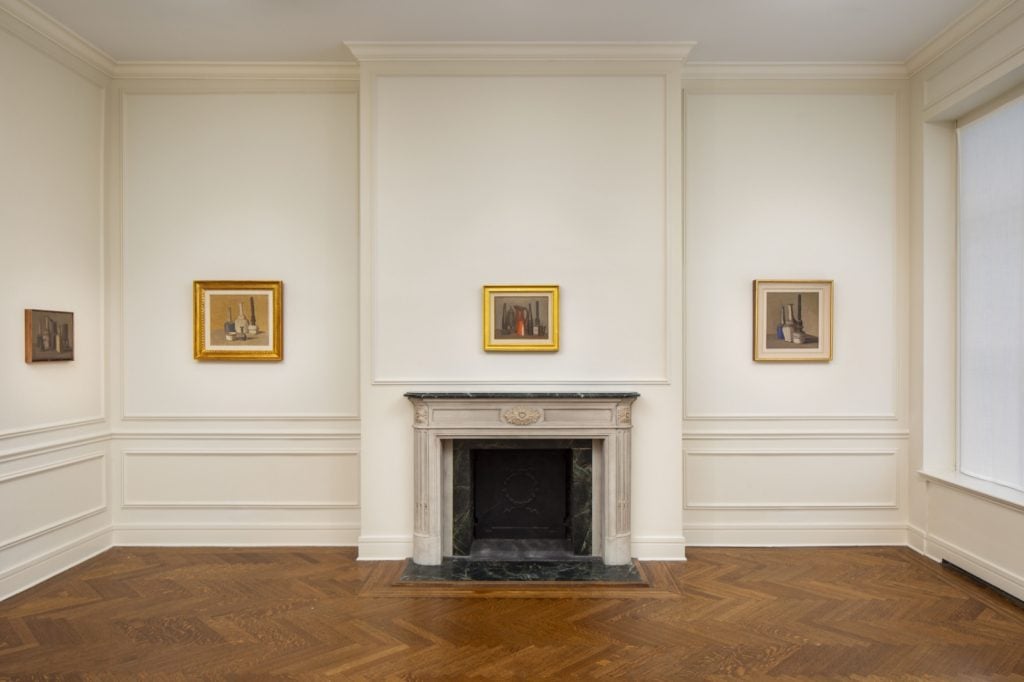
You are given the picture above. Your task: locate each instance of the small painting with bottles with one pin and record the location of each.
(521, 318)
(237, 320)
(49, 335)
(793, 320)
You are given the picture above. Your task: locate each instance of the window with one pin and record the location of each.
(991, 305)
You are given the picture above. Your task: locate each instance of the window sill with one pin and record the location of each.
(992, 492)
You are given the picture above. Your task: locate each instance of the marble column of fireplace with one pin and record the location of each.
(442, 418)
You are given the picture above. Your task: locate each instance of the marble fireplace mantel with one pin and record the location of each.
(442, 418)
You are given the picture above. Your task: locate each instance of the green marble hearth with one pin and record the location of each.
(459, 569)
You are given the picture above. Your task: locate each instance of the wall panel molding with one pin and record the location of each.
(47, 448)
(896, 372)
(66, 521)
(157, 418)
(880, 487)
(234, 435)
(832, 434)
(464, 66)
(50, 428)
(780, 416)
(235, 535)
(794, 535)
(147, 79)
(209, 456)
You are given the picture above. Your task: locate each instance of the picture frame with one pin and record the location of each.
(520, 318)
(238, 320)
(49, 335)
(793, 320)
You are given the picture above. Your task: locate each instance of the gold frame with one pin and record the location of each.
(825, 288)
(493, 343)
(204, 349)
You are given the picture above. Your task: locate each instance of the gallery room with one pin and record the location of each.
(651, 339)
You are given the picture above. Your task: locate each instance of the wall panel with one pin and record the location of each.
(240, 479)
(51, 134)
(239, 185)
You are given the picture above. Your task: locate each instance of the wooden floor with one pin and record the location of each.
(248, 614)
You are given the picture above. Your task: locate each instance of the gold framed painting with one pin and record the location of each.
(49, 336)
(793, 320)
(238, 320)
(521, 318)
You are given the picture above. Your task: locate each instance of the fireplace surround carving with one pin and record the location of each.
(441, 419)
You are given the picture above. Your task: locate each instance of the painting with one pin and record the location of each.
(238, 320)
(521, 318)
(793, 320)
(49, 336)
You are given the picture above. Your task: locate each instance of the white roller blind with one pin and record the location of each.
(991, 306)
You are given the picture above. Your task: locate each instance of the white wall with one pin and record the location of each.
(520, 180)
(236, 181)
(51, 125)
(795, 181)
(484, 174)
(239, 186)
(53, 494)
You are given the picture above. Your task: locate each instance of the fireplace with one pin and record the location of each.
(522, 498)
(522, 475)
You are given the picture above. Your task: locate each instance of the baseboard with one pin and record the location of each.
(58, 560)
(384, 547)
(1005, 580)
(795, 535)
(236, 535)
(659, 548)
(917, 538)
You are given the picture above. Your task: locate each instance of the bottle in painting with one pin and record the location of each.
(241, 323)
(229, 326)
(253, 327)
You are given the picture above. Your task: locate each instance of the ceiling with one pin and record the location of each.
(316, 30)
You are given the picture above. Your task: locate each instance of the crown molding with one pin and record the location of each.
(960, 29)
(519, 51)
(45, 26)
(302, 71)
(794, 70)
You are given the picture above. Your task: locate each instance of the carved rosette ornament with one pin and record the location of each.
(521, 416)
(421, 415)
(625, 415)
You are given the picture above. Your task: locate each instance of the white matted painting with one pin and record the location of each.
(793, 320)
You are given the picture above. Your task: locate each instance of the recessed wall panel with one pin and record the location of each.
(240, 186)
(519, 180)
(240, 479)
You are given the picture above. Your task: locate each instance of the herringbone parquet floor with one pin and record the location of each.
(313, 613)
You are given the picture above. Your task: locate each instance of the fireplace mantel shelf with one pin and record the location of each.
(475, 395)
(439, 419)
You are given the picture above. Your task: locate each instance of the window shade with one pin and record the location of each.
(991, 305)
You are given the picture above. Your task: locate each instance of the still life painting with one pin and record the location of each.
(49, 336)
(237, 320)
(792, 320)
(521, 318)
